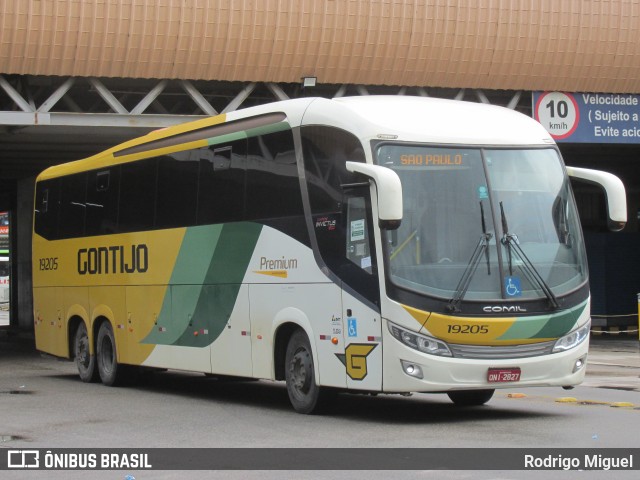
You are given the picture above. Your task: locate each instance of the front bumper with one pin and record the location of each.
(446, 373)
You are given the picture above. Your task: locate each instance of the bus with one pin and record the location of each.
(368, 244)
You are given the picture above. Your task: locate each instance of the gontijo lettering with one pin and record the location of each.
(113, 259)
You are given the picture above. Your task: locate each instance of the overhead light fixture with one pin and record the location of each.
(309, 81)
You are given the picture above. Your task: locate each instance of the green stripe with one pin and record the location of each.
(544, 326)
(204, 285)
(252, 132)
(222, 283)
(191, 267)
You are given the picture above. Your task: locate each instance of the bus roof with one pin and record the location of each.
(401, 118)
(433, 120)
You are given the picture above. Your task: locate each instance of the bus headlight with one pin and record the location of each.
(572, 339)
(422, 343)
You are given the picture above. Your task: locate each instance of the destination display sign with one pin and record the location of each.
(589, 117)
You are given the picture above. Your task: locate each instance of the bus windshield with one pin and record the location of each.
(484, 224)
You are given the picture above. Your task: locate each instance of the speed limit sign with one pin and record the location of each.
(558, 112)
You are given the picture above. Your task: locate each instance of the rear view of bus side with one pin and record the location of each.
(376, 244)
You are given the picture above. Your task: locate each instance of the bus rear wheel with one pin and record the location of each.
(304, 394)
(470, 398)
(107, 355)
(85, 362)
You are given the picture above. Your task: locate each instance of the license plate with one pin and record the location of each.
(499, 375)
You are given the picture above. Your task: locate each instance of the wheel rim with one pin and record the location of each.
(301, 372)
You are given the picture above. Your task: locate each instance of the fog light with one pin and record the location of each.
(579, 364)
(412, 369)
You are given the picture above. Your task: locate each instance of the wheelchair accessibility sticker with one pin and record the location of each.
(512, 286)
(352, 327)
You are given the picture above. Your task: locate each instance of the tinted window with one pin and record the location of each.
(273, 186)
(137, 196)
(46, 208)
(326, 151)
(177, 189)
(102, 201)
(341, 215)
(221, 185)
(73, 197)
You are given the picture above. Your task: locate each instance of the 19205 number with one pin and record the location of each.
(50, 263)
(468, 329)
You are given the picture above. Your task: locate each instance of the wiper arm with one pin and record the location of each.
(467, 275)
(511, 242)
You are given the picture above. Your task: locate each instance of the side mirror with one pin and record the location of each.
(614, 193)
(389, 191)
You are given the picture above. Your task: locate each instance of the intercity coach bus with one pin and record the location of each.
(370, 244)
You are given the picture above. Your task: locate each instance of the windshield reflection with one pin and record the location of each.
(451, 243)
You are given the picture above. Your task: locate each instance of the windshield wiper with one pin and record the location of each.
(467, 275)
(511, 242)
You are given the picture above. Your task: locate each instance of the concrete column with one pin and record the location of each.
(22, 222)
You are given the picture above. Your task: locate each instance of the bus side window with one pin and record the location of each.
(102, 202)
(221, 183)
(73, 207)
(137, 195)
(273, 186)
(177, 189)
(46, 209)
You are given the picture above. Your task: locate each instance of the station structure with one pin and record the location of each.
(77, 77)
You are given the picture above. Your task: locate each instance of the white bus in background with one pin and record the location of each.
(370, 244)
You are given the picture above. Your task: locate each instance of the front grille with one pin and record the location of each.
(502, 352)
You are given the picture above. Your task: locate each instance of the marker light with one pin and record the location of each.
(572, 339)
(418, 342)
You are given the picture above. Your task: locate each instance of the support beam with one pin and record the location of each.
(277, 91)
(15, 96)
(241, 97)
(197, 97)
(482, 97)
(513, 103)
(108, 97)
(60, 92)
(341, 91)
(149, 98)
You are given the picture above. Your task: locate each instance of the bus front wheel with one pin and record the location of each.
(304, 393)
(106, 355)
(469, 398)
(85, 362)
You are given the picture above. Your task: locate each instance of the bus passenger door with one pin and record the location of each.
(361, 295)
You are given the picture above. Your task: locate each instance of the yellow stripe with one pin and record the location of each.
(273, 273)
(106, 158)
(467, 330)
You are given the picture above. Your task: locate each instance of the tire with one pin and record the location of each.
(85, 362)
(470, 398)
(304, 394)
(107, 358)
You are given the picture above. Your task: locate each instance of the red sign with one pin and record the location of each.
(499, 375)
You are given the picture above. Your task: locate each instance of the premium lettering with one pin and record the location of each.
(278, 264)
(113, 259)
